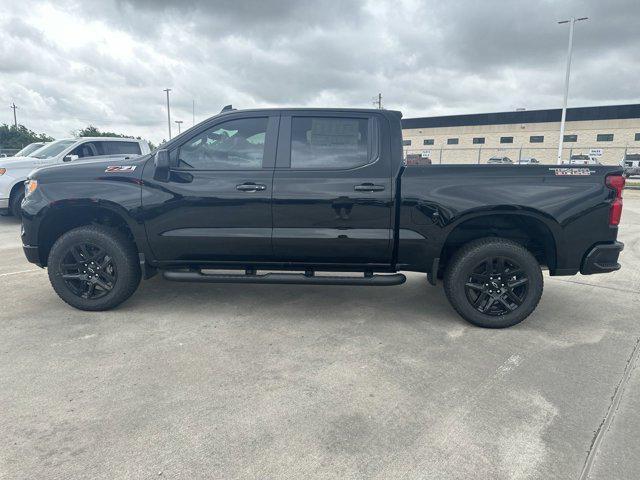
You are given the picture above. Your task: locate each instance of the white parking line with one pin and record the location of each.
(16, 273)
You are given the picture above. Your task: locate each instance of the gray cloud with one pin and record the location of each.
(426, 57)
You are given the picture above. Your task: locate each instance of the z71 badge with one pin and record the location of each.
(120, 168)
(572, 171)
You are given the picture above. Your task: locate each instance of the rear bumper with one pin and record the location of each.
(602, 259)
(4, 206)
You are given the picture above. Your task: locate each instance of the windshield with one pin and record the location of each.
(53, 149)
(28, 149)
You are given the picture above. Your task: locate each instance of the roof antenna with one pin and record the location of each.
(227, 108)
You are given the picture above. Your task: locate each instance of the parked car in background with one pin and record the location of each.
(500, 160)
(14, 170)
(417, 159)
(631, 164)
(32, 147)
(581, 159)
(528, 161)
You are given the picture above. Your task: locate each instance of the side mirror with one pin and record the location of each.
(70, 158)
(161, 162)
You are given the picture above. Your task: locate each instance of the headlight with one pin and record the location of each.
(30, 187)
(3, 171)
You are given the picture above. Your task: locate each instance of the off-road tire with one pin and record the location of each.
(122, 252)
(16, 201)
(461, 265)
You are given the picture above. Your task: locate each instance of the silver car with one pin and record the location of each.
(500, 161)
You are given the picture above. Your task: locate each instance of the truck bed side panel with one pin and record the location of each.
(436, 199)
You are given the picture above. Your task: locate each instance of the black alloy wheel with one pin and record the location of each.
(497, 286)
(94, 267)
(88, 271)
(493, 282)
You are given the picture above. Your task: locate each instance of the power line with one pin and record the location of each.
(378, 101)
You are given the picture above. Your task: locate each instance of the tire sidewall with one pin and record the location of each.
(112, 244)
(16, 202)
(464, 265)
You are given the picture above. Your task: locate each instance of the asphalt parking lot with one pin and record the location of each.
(259, 382)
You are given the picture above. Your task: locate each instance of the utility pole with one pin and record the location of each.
(193, 112)
(179, 122)
(15, 119)
(168, 111)
(571, 23)
(378, 101)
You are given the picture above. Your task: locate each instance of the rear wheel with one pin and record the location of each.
(16, 201)
(94, 268)
(493, 282)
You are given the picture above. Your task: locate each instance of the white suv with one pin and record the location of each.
(14, 170)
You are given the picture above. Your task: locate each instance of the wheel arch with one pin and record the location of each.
(14, 190)
(530, 230)
(66, 216)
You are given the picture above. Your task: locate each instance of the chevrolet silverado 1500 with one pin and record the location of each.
(298, 195)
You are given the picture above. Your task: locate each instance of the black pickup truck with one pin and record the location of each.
(318, 196)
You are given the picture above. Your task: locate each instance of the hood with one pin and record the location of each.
(90, 168)
(8, 162)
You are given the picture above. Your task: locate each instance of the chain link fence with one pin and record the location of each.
(8, 152)
(544, 155)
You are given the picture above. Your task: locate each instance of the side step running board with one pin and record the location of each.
(283, 278)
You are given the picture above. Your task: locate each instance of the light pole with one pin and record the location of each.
(571, 23)
(15, 119)
(168, 111)
(179, 122)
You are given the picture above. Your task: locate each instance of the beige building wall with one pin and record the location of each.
(624, 133)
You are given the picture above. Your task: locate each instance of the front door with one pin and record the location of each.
(217, 204)
(332, 190)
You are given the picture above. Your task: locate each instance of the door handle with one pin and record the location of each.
(368, 187)
(251, 187)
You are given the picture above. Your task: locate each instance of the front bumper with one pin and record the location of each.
(4, 206)
(602, 259)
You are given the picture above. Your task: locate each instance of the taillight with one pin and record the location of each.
(616, 183)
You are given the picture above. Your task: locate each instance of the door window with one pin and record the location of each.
(87, 149)
(329, 143)
(233, 145)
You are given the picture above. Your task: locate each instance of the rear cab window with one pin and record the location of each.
(332, 143)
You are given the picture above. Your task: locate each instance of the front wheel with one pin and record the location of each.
(94, 268)
(493, 282)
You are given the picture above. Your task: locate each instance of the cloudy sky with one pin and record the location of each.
(67, 64)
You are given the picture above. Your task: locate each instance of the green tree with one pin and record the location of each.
(16, 138)
(92, 131)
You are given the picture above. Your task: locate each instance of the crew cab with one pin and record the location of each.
(14, 170)
(297, 195)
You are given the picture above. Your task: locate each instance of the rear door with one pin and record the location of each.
(332, 190)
